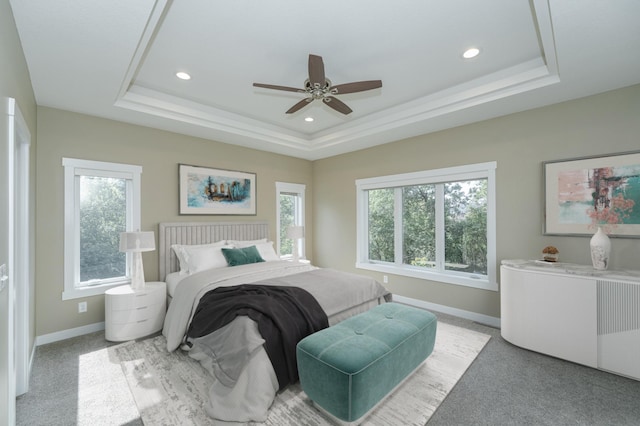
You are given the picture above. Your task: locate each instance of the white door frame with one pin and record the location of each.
(18, 263)
(22, 276)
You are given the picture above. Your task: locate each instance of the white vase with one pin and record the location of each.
(600, 249)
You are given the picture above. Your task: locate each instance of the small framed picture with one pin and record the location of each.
(211, 191)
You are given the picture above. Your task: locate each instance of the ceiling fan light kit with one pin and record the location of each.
(317, 86)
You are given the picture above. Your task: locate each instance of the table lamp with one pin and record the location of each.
(295, 233)
(136, 243)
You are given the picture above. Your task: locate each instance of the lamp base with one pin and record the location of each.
(296, 255)
(137, 273)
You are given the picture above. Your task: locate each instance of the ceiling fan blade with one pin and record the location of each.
(303, 103)
(316, 71)
(272, 86)
(337, 104)
(358, 86)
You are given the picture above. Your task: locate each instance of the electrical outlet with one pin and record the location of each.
(385, 279)
(82, 307)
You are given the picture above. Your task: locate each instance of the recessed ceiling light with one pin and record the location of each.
(471, 53)
(183, 75)
(308, 119)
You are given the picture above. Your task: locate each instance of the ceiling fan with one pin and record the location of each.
(317, 86)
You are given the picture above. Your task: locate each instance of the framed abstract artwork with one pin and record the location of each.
(583, 194)
(215, 191)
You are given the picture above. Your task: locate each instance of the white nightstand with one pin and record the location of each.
(132, 314)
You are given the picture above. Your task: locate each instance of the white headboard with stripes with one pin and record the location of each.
(201, 233)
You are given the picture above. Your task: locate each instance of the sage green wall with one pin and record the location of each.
(67, 134)
(14, 83)
(603, 124)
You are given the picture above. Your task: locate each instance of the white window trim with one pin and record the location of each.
(467, 172)
(72, 168)
(294, 188)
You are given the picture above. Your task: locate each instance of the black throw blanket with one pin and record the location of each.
(285, 315)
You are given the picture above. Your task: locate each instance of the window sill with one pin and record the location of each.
(467, 281)
(88, 291)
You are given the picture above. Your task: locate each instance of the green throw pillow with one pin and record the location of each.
(242, 256)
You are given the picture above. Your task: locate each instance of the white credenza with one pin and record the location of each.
(573, 312)
(130, 314)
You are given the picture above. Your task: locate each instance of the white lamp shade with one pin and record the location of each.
(137, 241)
(295, 232)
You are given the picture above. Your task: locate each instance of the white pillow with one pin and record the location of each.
(182, 252)
(206, 258)
(246, 243)
(267, 252)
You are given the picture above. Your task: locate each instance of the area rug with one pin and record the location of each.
(169, 388)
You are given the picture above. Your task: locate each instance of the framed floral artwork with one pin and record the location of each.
(583, 194)
(215, 191)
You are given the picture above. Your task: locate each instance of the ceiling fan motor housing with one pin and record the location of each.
(317, 92)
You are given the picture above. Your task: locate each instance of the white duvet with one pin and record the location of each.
(244, 383)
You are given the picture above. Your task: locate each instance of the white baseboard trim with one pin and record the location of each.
(67, 334)
(473, 316)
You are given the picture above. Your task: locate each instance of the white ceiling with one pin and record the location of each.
(117, 59)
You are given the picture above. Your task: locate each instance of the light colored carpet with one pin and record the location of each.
(169, 387)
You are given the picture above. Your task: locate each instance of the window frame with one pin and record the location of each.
(73, 168)
(299, 190)
(437, 176)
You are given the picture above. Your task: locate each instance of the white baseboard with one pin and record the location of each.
(67, 334)
(473, 316)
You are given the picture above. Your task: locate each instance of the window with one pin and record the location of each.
(437, 225)
(101, 201)
(290, 212)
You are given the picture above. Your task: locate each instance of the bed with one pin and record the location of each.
(194, 260)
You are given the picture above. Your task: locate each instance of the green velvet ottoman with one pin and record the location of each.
(349, 368)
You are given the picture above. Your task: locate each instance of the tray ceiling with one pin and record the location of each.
(118, 60)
